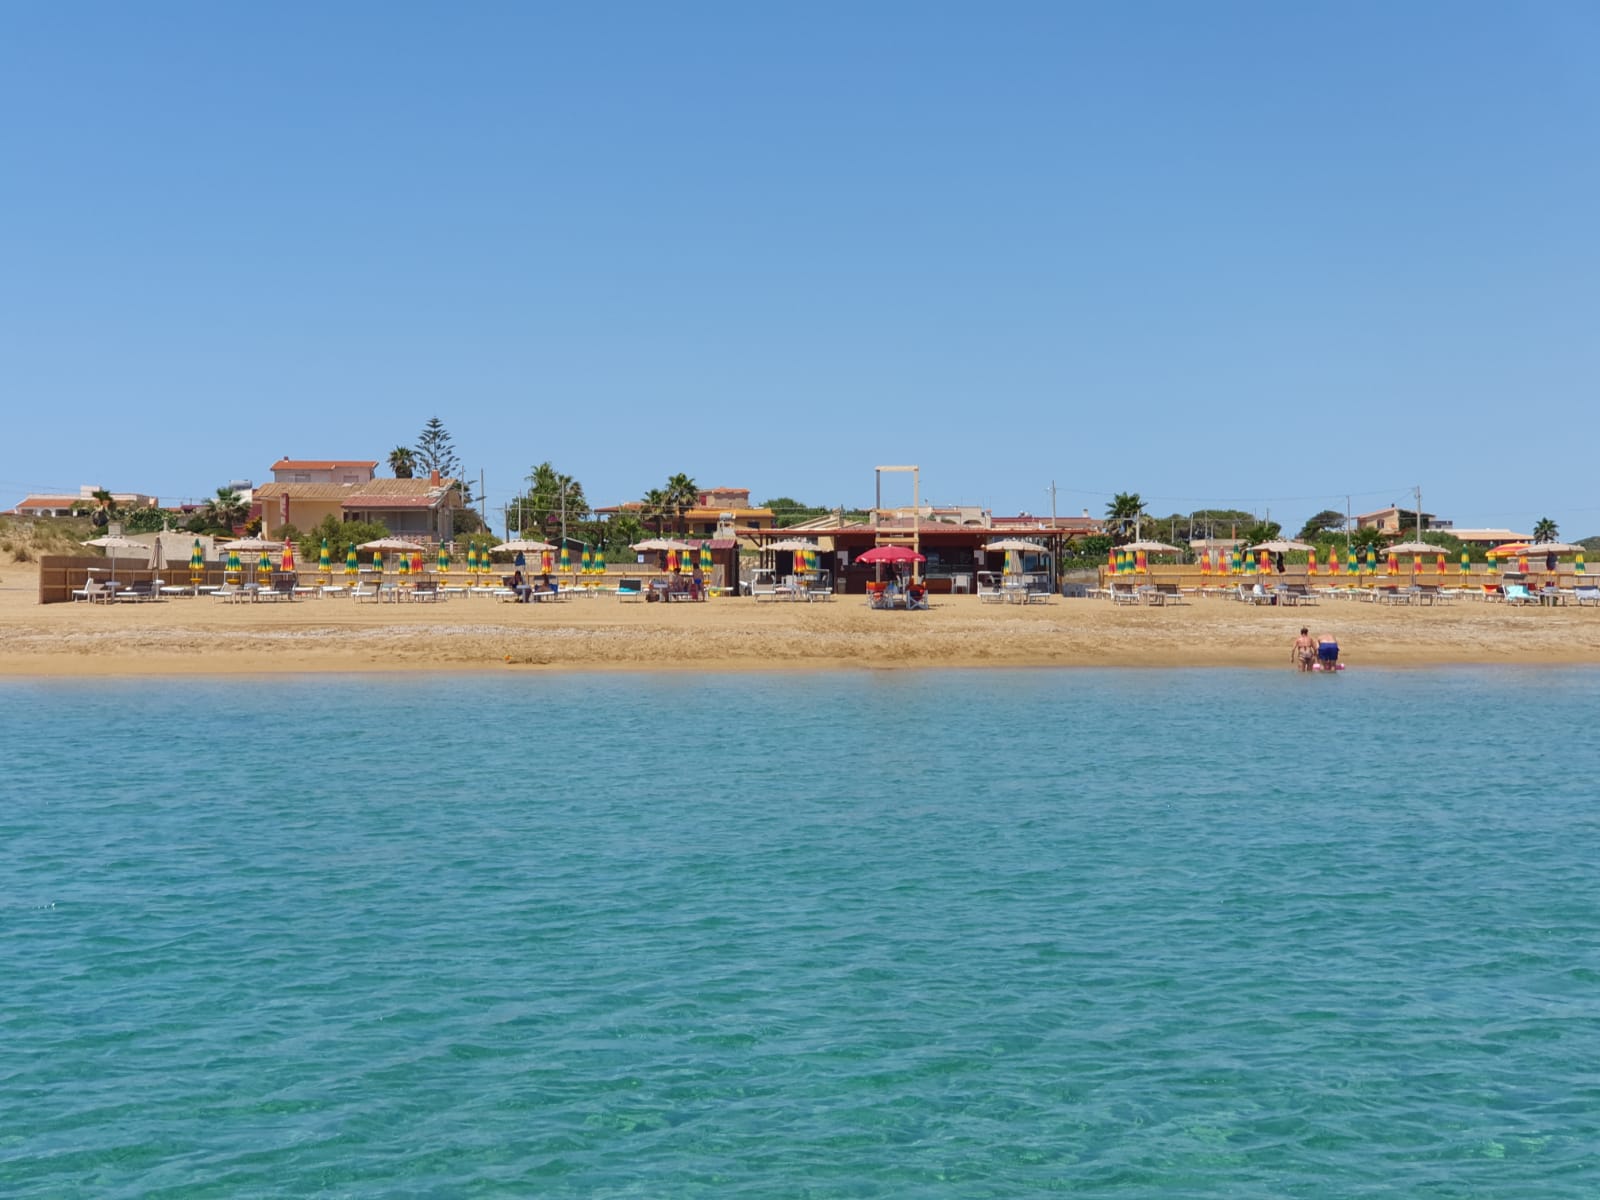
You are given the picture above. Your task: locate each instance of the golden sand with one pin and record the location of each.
(206, 636)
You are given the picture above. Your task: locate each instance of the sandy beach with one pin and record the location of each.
(205, 636)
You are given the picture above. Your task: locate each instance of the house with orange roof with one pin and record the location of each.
(324, 470)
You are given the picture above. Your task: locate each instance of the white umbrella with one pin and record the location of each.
(1017, 544)
(791, 544)
(114, 542)
(1283, 547)
(1414, 548)
(253, 544)
(521, 546)
(388, 543)
(1152, 548)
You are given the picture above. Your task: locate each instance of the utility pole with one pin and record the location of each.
(1052, 504)
(1417, 492)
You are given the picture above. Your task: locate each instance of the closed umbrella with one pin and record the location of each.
(1491, 564)
(197, 565)
(1441, 565)
(672, 559)
(235, 568)
(1577, 563)
(566, 560)
(325, 564)
(599, 560)
(586, 561)
(472, 564)
(1466, 562)
(1372, 560)
(1351, 562)
(705, 560)
(264, 568)
(352, 564)
(1113, 561)
(520, 562)
(1311, 561)
(158, 563)
(1391, 564)
(404, 564)
(377, 564)
(286, 562)
(1333, 561)
(441, 562)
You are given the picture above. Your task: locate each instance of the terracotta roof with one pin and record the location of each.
(49, 502)
(322, 464)
(376, 493)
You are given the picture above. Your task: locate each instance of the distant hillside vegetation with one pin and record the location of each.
(24, 539)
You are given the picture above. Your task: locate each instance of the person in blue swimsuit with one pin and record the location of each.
(1328, 652)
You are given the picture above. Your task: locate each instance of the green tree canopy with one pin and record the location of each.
(1326, 521)
(435, 451)
(1545, 530)
(550, 495)
(403, 463)
(1123, 515)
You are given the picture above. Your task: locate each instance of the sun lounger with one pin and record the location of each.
(1517, 594)
(95, 592)
(630, 589)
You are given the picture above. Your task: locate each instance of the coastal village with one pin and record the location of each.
(324, 527)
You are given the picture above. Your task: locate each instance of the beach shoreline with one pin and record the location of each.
(201, 636)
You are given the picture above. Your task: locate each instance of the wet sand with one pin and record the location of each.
(206, 636)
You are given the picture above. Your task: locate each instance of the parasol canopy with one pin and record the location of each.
(1280, 546)
(520, 546)
(1413, 548)
(114, 542)
(891, 554)
(1146, 547)
(790, 544)
(252, 545)
(1005, 545)
(391, 543)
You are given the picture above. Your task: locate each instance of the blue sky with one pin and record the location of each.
(1247, 255)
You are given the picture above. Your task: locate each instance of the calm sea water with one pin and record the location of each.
(1189, 934)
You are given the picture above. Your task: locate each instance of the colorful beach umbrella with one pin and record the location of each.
(286, 562)
(672, 559)
(1466, 561)
(324, 564)
(1522, 564)
(1491, 564)
(1391, 563)
(377, 562)
(405, 563)
(1233, 561)
(441, 562)
(1333, 561)
(352, 564)
(1113, 561)
(566, 560)
(1416, 564)
(1577, 563)
(705, 560)
(599, 560)
(1311, 562)
(197, 564)
(264, 566)
(1352, 563)
(1141, 563)
(233, 566)
(1205, 562)
(1441, 564)
(1372, 560)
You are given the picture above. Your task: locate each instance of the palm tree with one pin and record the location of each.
(657, 508)
(682, 495)
(225, 510)
(403, 462)
(1124, 513)
(1545, 530)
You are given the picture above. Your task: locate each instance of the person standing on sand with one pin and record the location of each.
(1304, 651)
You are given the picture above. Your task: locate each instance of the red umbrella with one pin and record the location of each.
(891, 554)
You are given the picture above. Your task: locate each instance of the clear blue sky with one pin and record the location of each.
(1250, 255)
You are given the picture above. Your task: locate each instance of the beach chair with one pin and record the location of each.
(367, 590)
(764, 584)
(1170, 593)
(95, 592)
(989, 590)
(917, 595)
(630, 589)
(1517, 594)
(877, 595)
(1587, 594)
(1122, 593)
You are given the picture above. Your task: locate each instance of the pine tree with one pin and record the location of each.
(434, 451)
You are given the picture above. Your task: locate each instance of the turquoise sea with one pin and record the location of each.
(932, 934)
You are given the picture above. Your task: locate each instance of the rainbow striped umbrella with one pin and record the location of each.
(264, 566)
(1441, 564)
(416, 562)
(286, 563)
(566, 560)
(1266, 563)
(1333, 561)
(1352, 563)
(1522, 563)
(1205, 563)
(324, 564)
(1113, 561)
(672, 560)
(547, 560)
(441, 562)
(1250, 565)
(405, 562)
(1141, 563)
(1466, 561)
(1391, 564)
(1311, 562)
(1235, 567)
